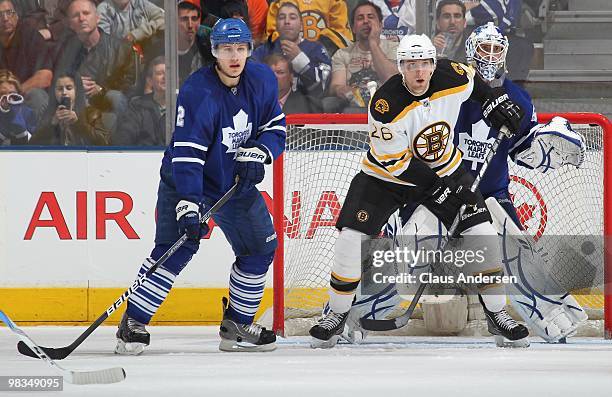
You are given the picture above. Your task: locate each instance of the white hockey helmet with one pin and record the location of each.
(415, 46)
(486, 50)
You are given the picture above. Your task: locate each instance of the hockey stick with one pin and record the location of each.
(402, 320)
(101, 376)
(62, 352)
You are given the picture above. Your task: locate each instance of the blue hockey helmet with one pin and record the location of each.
(230, 31)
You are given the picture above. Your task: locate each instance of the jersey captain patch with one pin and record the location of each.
(430, 143)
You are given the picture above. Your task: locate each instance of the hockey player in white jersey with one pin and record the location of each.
(228, 124)
(540, 147)
(413, 160)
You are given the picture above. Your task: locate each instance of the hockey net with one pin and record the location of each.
(324, 152)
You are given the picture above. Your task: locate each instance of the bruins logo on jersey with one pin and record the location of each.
(381, 106)
(430, 143)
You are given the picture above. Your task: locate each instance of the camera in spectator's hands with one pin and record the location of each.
(10, 99)
(65, 102)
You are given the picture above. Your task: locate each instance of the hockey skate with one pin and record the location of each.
(244, 337)
(132, 337)
(507, 332)
(328, 330)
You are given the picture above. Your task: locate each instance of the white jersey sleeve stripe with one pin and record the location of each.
(277, 118)
(191, 144)
(276, 127)
(187, 160)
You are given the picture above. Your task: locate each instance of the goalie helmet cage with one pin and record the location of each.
(323, 153)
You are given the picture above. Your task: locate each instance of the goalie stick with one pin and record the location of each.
(404, 318)
(59, 353)
(101, 376)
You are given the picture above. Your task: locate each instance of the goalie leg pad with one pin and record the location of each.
(536, 298)
(346, 270)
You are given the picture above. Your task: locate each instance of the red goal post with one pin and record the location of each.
(596, 127)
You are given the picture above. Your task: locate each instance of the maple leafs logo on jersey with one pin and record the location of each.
(476, 146)
(234, 137)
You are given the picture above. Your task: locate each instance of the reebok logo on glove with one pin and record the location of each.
(486, 111)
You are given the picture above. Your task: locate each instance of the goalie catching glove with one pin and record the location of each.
(503, 114)
(250, 160)
(554, 145)
(188, 219)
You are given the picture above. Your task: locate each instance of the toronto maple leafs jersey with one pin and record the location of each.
(403, 126)
(213, 121)
(474, 138)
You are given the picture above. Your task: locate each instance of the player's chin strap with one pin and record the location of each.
(404, 318)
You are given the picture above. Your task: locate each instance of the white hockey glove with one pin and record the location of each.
(554, 145)
(188, 220)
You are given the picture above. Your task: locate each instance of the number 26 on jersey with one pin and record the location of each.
(381, 132)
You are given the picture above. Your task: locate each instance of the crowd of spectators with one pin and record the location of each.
(92, 72)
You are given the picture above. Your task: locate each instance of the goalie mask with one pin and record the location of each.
(486, 50)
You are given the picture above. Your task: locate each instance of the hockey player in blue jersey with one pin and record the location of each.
(541, 147)
(228, 125)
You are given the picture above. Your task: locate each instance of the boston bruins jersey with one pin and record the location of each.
(404, 127)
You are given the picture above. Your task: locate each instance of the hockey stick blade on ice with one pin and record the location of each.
(59, 353)
(101, 376)
(404, 318)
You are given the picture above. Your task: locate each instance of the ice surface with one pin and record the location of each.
(185, 361)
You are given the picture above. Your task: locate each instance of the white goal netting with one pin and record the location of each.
(321, 159)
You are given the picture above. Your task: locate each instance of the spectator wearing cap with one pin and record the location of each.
(309, 59)
(24, 52)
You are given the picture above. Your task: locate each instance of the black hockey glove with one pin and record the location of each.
(188, 219)
(448, 192)
(501, 112)
(250, 160)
